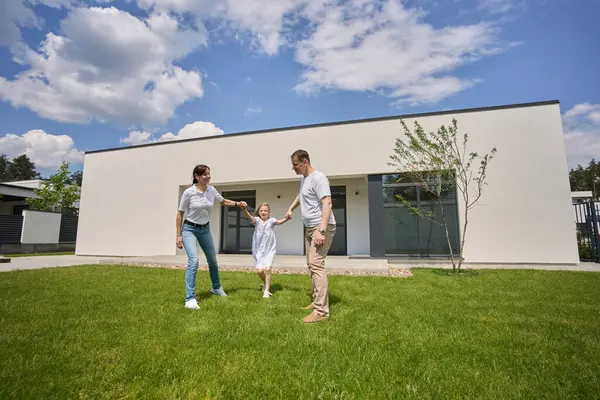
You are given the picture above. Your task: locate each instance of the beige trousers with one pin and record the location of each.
(315, 260)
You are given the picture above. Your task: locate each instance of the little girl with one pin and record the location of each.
(264, 243)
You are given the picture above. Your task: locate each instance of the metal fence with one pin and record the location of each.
(587, 219)
(68, 229)
(10, 229)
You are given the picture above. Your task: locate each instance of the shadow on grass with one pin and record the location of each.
(207, 294)
(462, 273)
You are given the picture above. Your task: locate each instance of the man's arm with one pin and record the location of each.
(325, 212)
(295, 203)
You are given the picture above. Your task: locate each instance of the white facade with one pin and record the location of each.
(130, 195)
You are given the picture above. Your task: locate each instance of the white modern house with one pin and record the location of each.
(130, 195)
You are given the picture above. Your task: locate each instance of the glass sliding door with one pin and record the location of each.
(411, 235)
(236, 229)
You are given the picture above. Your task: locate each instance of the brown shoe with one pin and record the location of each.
(309, 307)
(313, 317)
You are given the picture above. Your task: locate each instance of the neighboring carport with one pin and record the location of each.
(12, 198)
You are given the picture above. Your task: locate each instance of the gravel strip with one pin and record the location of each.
(392, 272)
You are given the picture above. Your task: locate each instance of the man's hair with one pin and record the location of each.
(301, 155)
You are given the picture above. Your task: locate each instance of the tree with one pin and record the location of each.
(439, 162)
(56, 194)
(3, 168)
(586, 179)
(76, 178)
(21, 168)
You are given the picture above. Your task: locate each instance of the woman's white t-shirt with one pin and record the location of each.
(198, 205)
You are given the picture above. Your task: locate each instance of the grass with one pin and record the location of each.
(122, 332)
(66, 253)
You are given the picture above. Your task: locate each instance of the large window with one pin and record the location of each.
(408, 234)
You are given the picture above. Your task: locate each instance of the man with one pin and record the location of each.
(316, 208)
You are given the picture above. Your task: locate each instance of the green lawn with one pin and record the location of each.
(122, 332)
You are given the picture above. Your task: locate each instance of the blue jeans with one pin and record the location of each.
(189, 235)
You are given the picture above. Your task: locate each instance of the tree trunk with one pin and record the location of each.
(462, 240)
(448, 238)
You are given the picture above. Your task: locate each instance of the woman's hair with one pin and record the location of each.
(259, 207)
(198, 170)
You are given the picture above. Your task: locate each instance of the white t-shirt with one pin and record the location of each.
(312, 190)
(198, 205)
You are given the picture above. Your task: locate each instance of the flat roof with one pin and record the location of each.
(355, 121)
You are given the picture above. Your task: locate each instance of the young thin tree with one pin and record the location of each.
(56, 194)
(439, 162)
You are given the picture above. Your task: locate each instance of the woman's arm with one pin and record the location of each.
(231, 203)
(179, 222)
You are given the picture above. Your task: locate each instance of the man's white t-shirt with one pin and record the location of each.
(198, 205)
(312, 190)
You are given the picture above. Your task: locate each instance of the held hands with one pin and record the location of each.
(241, 204)
(288, 214)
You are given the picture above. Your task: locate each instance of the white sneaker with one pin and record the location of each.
(266, 295)
(192, 304)
(219, 292)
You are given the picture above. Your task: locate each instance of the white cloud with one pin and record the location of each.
(360, 47)
(44, 149)
(500, 6)
(357, 45)
(581, 125)
(95, 71)
(194, 130)
(13, 15)
(129, 75)
(265, 20)
(252, 111)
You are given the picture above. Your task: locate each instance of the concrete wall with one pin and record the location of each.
(40, 227)
(524, 216)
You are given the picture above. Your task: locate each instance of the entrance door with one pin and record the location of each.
(339, 247)
(338, 199)
(236, 229)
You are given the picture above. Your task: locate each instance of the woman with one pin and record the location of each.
(197, 202)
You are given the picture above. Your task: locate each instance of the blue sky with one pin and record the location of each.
(85, 75)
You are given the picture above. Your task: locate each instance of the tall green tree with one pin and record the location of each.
(76, 178)
(21, 168)
(3, 168)
(586, 179)
(57, 193)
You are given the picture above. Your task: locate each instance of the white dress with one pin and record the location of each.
(263, 242)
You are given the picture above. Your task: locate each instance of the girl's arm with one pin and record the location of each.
(250, 217)
(282, 220)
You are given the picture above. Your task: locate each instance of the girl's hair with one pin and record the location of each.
(198, 170)
(259, 207)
